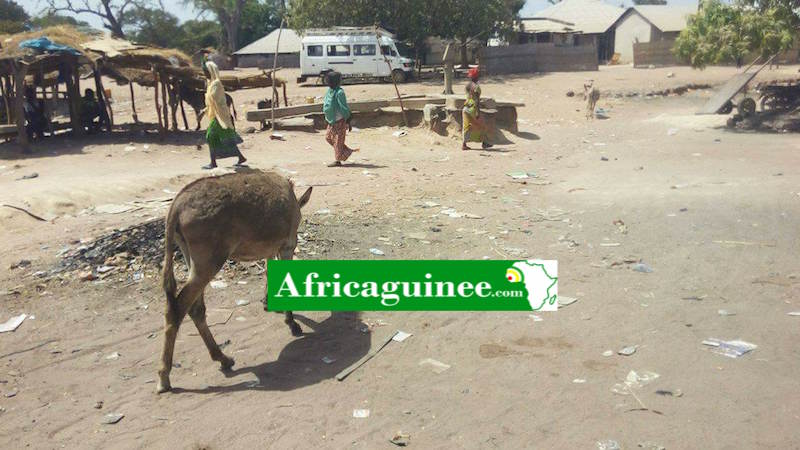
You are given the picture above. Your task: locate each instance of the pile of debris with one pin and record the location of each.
(143, 242)
(779, 121)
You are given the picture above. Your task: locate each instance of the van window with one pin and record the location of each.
(338, 50)
(314, 50)
(363, 49)
(387, 50)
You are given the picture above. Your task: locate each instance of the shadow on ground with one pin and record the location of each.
(338, 337)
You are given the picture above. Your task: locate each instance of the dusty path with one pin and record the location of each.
(714, 213)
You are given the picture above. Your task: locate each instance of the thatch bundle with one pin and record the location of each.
(61, 34)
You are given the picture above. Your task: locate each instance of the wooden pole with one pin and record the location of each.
(275, 95)
(396, 89)
(133, 103)
(5, 99)
(74, 98)
(164, 109)
(102, 101)
(180, 102)
(158, 107)
(19, 106)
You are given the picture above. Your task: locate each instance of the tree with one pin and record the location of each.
(471, 20)
(649, 2)
(721, 33)
(412, 20)
(199, 34)
(12, 17)
(258, 19)
(153, 26)
(50, 19)
(111, 12)
(229, 15)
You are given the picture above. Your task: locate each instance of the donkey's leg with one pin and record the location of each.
(198, 314)
(287, 253)
(176, 311)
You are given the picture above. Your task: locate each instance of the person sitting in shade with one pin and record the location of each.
(90, 110)
(35, 120)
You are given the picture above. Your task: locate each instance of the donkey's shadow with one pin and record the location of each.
(300, 363)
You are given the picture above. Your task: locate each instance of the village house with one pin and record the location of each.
(261, 53)
(649, 23)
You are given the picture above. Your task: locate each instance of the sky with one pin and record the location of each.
(185, 12)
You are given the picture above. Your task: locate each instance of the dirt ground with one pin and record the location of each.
(713, 212)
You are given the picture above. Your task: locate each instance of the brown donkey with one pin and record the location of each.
(242, 216)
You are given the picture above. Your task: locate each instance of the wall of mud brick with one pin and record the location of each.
(538, 57)
(656, 53)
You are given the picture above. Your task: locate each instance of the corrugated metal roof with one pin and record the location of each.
(290, 43)
(589, 16)
(666, 17)
(544, 25)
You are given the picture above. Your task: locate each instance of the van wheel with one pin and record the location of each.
(398, 76)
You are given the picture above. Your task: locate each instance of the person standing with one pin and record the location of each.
(221, 136)
(338, 116)
(473, 125)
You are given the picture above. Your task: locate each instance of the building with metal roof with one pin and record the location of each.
(592, 19)
(649, 23)
(261, 52)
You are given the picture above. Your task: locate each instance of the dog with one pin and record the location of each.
(592, 95)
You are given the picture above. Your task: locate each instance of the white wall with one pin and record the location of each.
(632, 28)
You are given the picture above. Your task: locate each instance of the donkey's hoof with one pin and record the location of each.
(296, 330)
(163, 387)
(227, 363)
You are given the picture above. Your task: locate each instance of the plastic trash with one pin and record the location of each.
(642, 267)
(731, 349)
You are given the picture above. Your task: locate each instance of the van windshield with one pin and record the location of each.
(388, 50)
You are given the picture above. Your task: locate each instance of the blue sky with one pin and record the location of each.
(185, 12)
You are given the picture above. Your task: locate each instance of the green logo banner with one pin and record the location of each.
(401, 285)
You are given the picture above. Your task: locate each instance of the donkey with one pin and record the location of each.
(241, 216)
(196, 98)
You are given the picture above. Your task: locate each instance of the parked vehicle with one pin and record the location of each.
(353, 52)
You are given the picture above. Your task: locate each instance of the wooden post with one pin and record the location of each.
(5, 99)
(133, 103)
(396, 89)
(74, 98)
(158, 107)
(180, 102)
(101, 100)
(19, 105)
(164, 109)
(275, 95)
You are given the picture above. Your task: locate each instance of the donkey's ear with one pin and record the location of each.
(305, 197)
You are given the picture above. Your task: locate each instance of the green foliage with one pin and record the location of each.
(50, 19)
(411, 20)
(198, 34)
(722, 33)
(12, 17)
(258, 20)
(152, 26)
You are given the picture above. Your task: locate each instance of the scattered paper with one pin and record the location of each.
(401, 336)
(634, 380)
(328, 360)
(376, 251)
(731, 349)
(12, 323)
(628, 351)
(435, 366)
(218, 284)
(520, 175)
(794, 313)
(111, 419)
(565, 301)
(360, 413)
(400, 133)
(242, 302)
